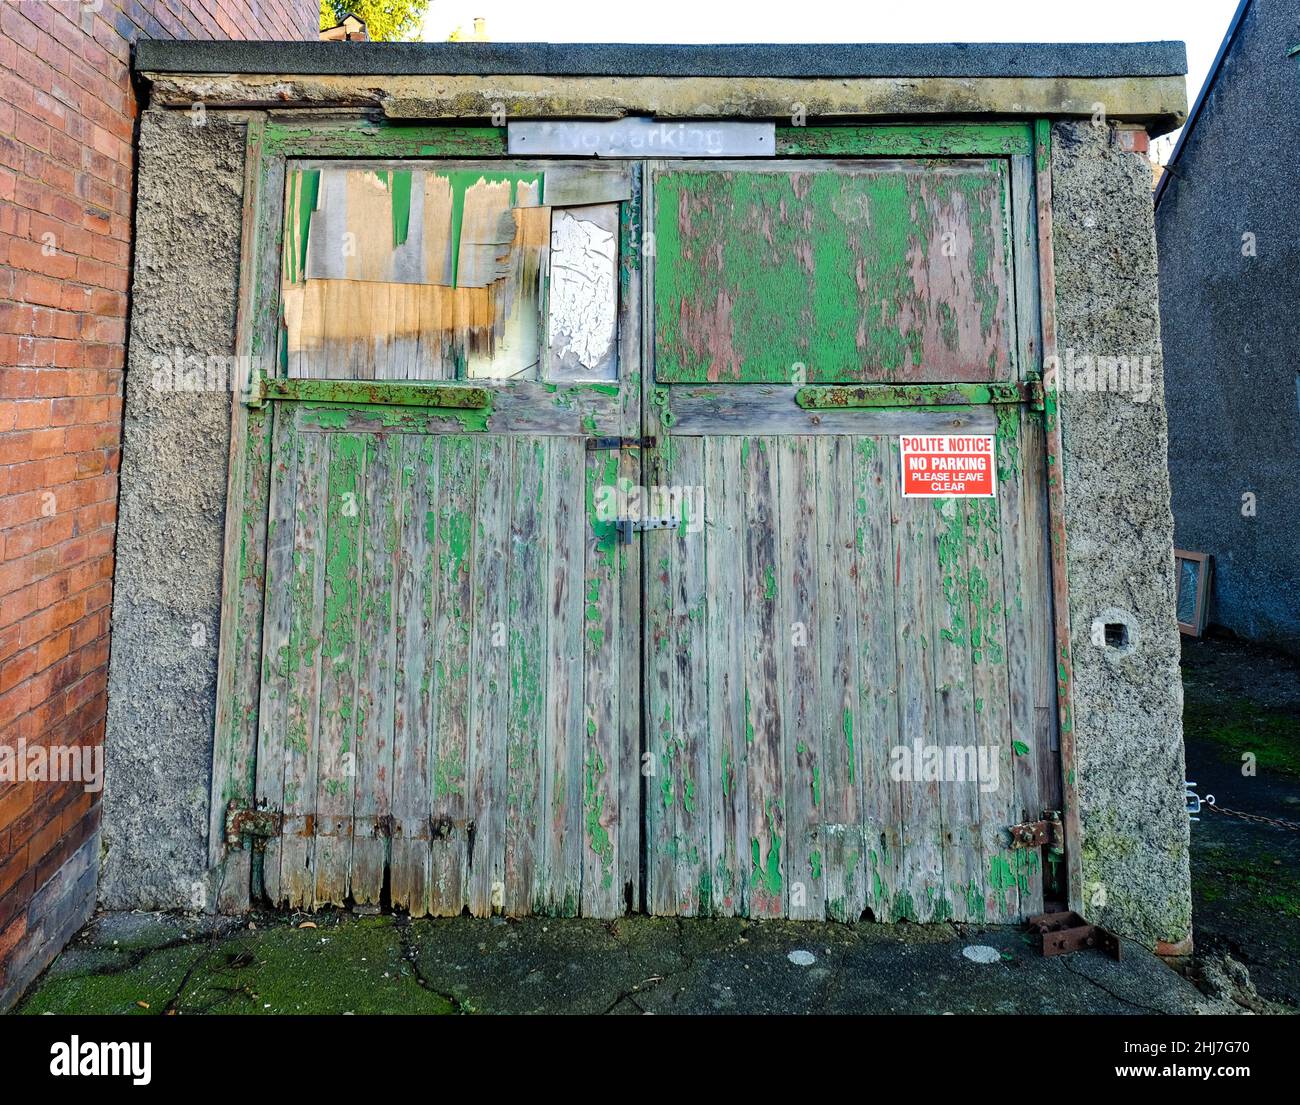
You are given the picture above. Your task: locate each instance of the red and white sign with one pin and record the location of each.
(948, 465)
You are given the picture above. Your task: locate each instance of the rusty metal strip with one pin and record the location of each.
(1067, 932)
(875, 396)
(1056, 519)
(383, 393)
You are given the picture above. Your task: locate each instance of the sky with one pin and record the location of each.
(1199, 23)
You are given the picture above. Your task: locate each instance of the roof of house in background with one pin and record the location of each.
(1210, 78)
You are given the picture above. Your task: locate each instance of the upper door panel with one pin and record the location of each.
(419, 271)
(869, 271)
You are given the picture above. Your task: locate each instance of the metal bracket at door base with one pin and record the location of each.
(1067, 932)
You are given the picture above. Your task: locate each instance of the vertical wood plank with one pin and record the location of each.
(999, 643)
(336, 763)
(768, 868)
(663, 786)
(799, 628)
(409, 851)
(301, 737)
(602, 643)
(840, 850)
(453, 555)
(490, 677)
(874, 730)
(280, 648)
(377, 666)
(565, 721)
(961, 628)
(728, 794)
(921, 873)
(623, 822)
(525, 843)
(692, 877)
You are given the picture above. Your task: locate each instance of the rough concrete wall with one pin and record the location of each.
(162, 674)
(1228, 308)
(1119, 537)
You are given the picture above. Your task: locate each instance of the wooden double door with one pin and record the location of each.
(650, 624)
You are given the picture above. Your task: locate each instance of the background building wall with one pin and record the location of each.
(67, 119)
(1228, 224)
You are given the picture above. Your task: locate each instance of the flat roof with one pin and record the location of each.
(948, 59)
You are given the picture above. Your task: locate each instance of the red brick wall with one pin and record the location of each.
(67, 116)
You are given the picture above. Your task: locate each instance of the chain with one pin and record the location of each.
(1276, 822)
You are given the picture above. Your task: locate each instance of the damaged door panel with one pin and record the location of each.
(407, 272)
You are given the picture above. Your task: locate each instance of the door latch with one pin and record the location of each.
(628, 526)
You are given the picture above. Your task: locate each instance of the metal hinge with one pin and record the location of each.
(628, 526)
(1068, 932)
(1036, 399)
(1035, 834)
(595, 444)
(258, 825)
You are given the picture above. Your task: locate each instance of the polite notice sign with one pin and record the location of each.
(958, 465)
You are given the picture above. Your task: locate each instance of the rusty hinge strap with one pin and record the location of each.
(1048, 832)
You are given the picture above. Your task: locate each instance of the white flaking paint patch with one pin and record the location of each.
(583, 300)
(802, 958)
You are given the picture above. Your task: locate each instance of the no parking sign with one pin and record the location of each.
(948, 465)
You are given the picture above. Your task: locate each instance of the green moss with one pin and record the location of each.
(1237, 726)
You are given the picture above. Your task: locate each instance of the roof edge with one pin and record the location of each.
(991, 59)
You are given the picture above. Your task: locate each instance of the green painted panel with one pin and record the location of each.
(879, 273)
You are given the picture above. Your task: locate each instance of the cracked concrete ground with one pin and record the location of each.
(145, 964)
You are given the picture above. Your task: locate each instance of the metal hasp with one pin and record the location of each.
(1067, 932)
(628, 526)
(258, 825)
(638, 137)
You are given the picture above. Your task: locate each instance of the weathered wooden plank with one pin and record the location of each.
(693, 775)
(301, 732)
(603, 641)
(764, 639)
(757, 409)
(663, 741)
(921, 871)
(626, 825)
(963, 611)
(799, 625)
(376, 666)
(412, 723)
(563, 780)
(336, 734)
(840, 845)
(728, 793)
(873, 731)
(1000, 645)
(450, 753)
(490, 678)
(280, 649)
(525, 723)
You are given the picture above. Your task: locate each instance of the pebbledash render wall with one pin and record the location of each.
(1126, 689)
(68, 108)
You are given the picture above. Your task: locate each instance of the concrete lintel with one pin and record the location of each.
(1158, 103)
